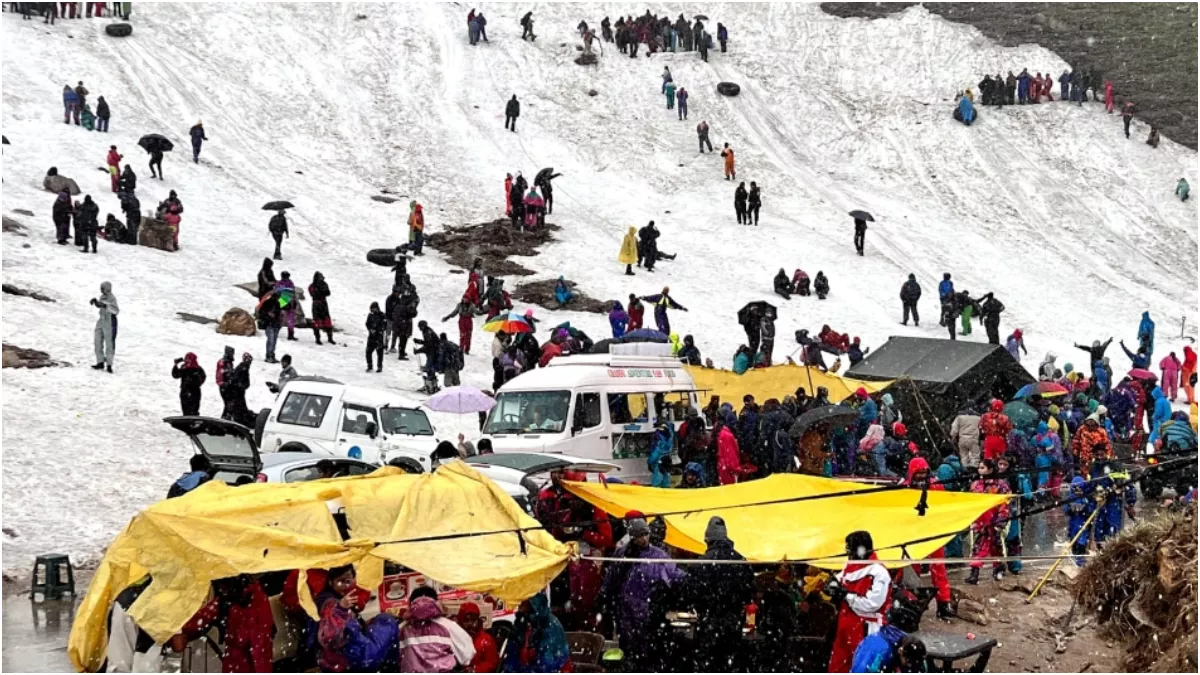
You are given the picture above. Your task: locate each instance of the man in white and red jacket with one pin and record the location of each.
(860, 592)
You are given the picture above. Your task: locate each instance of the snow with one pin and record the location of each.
(1073, 227)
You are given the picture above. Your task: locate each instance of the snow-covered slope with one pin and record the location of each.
(1049, 206)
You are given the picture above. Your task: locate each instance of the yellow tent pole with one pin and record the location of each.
(1058, 562)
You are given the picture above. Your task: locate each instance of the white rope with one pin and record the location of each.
(834, 559)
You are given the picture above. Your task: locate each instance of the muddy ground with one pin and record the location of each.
(494, 242)
(1148, 50)
(541, 293)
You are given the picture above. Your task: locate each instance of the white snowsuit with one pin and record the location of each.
(105, 332)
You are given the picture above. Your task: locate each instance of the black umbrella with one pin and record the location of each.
(544, 174)
(156, 143)
(700, 17)
(603, 346)
(757, 308)
(278, 205)
(862, 215)
(835, 415)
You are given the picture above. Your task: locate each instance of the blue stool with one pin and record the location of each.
(52, 585)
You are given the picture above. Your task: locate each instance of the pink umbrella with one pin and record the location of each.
(1142, 374)
(461, 400)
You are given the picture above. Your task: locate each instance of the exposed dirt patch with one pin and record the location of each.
(385, 199)
(13, 289)
(542, 293)
(494, 242)
(19, 357)
(1148, 50)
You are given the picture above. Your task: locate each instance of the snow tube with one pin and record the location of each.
(384, 257)
(118, 29)
(728, 89)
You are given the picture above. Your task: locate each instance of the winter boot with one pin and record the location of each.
(317, 333)
(945, 611)
(329, 336)
(370, 369)
(973, 578)
(98, 366)
(108, 368)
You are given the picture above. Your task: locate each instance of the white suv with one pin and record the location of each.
(326, 417)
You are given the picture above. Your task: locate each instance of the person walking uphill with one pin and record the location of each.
(629, 250)
(278, 227)
(511, 112)
(669, 90)
(910, 294)
(465, 312)
(191, 377)
(1126, 116)
(662, 302)
(105, 333)
(321, 321)
(198, 138)
(682, 99)
(860, 235)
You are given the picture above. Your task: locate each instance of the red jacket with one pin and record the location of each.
(472, 294)
(635, 312)
(556, 510)
(487, 658)
(249, 631)
(994, 424)
(508, 195)
(114, 159)
(868, 590)
(729, 461)
(549, 351)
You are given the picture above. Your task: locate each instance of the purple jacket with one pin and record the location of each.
(431, 643)
(638, 587)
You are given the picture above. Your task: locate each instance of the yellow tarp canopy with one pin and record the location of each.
(776, 382)
(797, 530)
(218, 531)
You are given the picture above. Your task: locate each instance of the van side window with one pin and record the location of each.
(305, 410)
(355, 420)
(627, 408)
(587, 410)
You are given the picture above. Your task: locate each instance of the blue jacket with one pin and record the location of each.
(741, 363)
(197, 133)
(618, 319)
(1162, 412)
(945, 288)
(1146, 328)
(1137, 360)
(561, 293)
(967, 110)
(878, 653)
(69, 97)
(868, 412)
(950, 469)
(664, 443)
(1100, 375)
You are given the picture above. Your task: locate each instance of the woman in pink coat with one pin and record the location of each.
(1170, 376)
(1108, 96)
(533, 208)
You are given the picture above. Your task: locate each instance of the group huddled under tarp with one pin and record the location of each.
(776, 382)
(780, 527)
(218, 531)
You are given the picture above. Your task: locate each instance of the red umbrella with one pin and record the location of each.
(1142, 374)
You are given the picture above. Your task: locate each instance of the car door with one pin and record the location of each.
(357, 433)
(590, 436)
(229, 446)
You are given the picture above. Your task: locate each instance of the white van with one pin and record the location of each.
(324, 416)
(592, 406)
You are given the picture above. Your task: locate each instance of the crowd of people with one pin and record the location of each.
(51, 11)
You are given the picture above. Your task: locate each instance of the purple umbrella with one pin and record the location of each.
(460, 400)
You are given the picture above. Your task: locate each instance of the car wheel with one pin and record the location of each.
(407, 465)
(295, 447)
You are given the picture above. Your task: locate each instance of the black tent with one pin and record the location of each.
(937, 379)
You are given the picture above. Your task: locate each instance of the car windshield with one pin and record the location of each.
(529, 412)
(405, 421)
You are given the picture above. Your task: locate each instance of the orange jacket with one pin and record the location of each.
(416, 219)
(1089, 445)
(728, 152)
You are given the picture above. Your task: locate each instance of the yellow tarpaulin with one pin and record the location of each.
(775, 382)
(797, 530)
(219, 531)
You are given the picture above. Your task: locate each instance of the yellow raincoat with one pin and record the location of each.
(628, 254)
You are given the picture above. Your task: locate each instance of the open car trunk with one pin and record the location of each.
(229, 446)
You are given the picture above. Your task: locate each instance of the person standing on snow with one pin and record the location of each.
(270, 320)
(727, 153)
(994, 427)
(512, 110)
(127, 184)
(753, 204)
(1182, 189)
(910, 294)
(682, 97)
(105, 333)
(87, 222)
(114, 167)
(1170, 367)
(1109, 105)
(278, 227)
(61, 213)
(1015, 344)
(702, 133)
(722, 35)
(739, 203)
(669, 90)
(618, 319)
(544, 181)
(71, 105)
(321, 321)
(946, 295)
(376, 328)
(629, 250)
(860, 592)
(636, 311)
(191, 377)
(666, 79)
(527, 28)
(648, 246)
(1126, 116)
(1145, 335)
(466, 322)
(198, 138)
(156, 158)
(860, 235)
(416, 227)
(662, 302)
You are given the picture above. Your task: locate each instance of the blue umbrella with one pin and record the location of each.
(644, 335)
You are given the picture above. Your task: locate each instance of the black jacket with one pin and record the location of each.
(102, 112)
(88, 216)
(782, 283)
(755, 197)
(128, 180)
(62, 211)
(719, 593)
(190, 379)
(430, 343)
(376, 324)
(821, 283)
(739, 198)
(513, 109)
(910, 291)
(278, 224)
(777, 450)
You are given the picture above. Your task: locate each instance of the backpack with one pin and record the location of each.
(221, 366)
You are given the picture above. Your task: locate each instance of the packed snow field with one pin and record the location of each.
(1072, 226)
